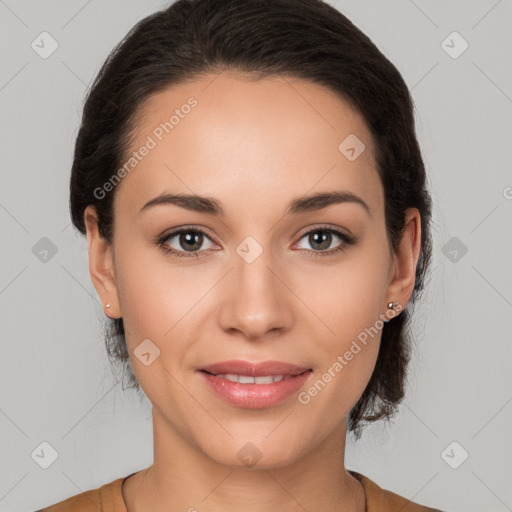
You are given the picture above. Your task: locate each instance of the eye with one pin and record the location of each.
(184, 242)
(321, 238)
(188, 242)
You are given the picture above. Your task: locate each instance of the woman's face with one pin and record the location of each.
(263, 282)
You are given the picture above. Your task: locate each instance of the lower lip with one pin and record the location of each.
(255, 396)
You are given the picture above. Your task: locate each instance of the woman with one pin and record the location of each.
(255, 203)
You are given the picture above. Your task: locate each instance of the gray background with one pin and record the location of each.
(55, 382)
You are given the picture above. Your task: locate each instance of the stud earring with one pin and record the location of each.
(392, 305)
(107, 305)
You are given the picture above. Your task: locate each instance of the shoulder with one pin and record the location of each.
(108, 497)
(382, 500)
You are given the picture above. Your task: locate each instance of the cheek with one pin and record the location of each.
(348, 297)
(347, 359)
(148, 292)
(159, 299)
(154, 308)
(348, 300)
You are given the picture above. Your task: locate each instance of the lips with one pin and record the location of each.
(246, 368)
(254, 385)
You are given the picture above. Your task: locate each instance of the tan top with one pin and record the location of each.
(109, 498)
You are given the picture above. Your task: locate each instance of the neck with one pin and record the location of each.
(184, 478)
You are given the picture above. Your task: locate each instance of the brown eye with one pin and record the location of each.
(183, 241)
(321, 241)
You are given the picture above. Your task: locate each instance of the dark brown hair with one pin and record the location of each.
(306, 39)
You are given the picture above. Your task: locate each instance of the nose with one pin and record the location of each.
(255, 299)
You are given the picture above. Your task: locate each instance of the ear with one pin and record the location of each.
(101, 264)
(405, 258)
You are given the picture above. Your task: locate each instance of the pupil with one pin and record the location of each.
(190, 241)
(323, 237)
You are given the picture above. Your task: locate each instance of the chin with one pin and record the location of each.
(258, 453)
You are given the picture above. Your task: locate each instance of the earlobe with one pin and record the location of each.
(406, 257)
(101, 265)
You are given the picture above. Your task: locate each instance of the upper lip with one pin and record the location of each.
(239, 367)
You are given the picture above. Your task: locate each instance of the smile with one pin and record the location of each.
(246, 379)
(254, 392)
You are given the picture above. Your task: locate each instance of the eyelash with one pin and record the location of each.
(347, 240)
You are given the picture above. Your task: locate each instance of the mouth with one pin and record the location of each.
(241, 368)
(248, 379)
(254, 385)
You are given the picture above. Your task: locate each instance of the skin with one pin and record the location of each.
(252, 145)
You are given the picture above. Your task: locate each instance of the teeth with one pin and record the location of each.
(246, 379)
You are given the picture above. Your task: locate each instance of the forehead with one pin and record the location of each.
(231, 137)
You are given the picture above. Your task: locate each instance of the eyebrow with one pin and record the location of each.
(302, 204)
